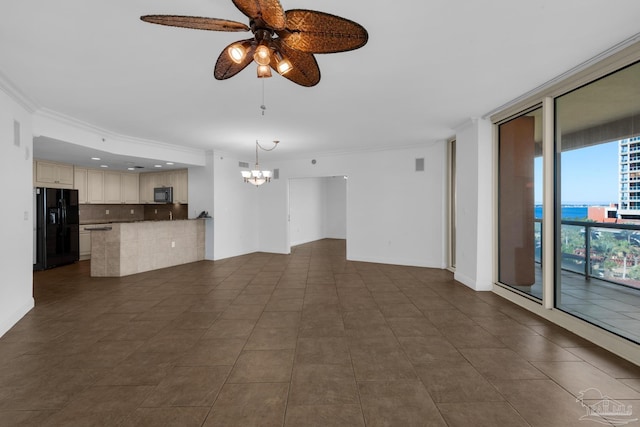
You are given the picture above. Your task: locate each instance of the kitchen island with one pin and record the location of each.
(121, 249)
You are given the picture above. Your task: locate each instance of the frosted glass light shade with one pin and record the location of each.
(264, 71)
(237, 52)
(284, 66)
(262, 55)
(257, 181)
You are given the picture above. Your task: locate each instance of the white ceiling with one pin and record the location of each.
(428, 67)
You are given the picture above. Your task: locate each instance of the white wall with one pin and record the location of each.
(307, 203)
(236, 210)
(335, 221)
(201, 198)
(317, 209)
(394, 215)
(474, 225)
(16, 215)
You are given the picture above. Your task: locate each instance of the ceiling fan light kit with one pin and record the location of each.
(284, 41)
(237, 52)
(264, 71)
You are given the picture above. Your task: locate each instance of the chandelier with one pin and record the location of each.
(256, 176)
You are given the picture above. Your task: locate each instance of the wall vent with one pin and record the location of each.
(420, 165)
(276, 174)
(243, 164)
(16, 133)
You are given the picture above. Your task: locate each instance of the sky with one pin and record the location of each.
(589, 175)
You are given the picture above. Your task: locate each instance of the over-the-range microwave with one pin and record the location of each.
(163, 195)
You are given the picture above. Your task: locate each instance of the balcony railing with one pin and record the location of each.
(614, 250)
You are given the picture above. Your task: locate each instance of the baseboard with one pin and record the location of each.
(393, 261)
(8, 322)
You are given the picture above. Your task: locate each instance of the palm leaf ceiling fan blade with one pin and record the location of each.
(225, 68)
(269, 11)
(196, 22)
(284, 41)
(319, 32)
(305, 70)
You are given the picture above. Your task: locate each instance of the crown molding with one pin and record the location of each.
(16, 94)
(107, 134)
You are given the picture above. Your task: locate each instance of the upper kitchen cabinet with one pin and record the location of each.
(80, 184)
(147, 183)
(106, 187)
(55, 175)
(177, 179)
(180, 184)
(95, 186)
(112, 187)
(130, 188)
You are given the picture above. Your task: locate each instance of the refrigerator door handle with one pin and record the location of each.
(53, 216)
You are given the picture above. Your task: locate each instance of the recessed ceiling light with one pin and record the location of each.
(131, 169)
(157, 166)
(169, 163)
(95, 158)
(104, 166)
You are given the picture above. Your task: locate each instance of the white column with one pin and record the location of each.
(475, 202)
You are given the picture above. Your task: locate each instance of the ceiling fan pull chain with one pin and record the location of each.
(263, 107)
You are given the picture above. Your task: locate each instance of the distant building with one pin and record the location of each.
(603, 213)
(629, 194)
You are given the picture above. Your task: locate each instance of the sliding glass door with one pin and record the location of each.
(519, 203)
(597, 246)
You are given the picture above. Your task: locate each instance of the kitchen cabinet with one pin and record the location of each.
(80, 184)
(180, 184)
(112, 187)
(146, 187)
(130, 188)
(54, 175)
(85, 240)
(85, 243)
(95, 186)
(106, 187)
(177, 179)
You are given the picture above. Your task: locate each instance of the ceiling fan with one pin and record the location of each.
(284, 41)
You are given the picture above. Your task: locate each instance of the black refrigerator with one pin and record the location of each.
(57, 224)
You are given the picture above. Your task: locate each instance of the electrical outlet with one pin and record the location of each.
(156, 211)
(132, 211)
(173, 244)
(107, 212)
(26, 215)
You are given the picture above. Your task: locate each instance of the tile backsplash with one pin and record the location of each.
(95, 214)
(161, 212)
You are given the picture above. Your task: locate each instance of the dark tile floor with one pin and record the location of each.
(302, 340)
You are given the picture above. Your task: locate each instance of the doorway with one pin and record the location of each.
(317, 209)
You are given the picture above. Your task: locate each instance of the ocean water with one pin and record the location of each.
(568, 211)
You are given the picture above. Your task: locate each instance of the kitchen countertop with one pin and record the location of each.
(132, 221)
